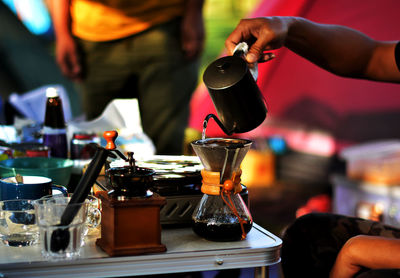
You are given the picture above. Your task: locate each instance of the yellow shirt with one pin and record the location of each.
(104, 20)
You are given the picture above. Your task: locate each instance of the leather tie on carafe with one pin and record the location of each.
(211, 185)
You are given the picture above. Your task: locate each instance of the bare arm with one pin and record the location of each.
(67, 54)
(371, 252)
(192, 30)
(338, 49)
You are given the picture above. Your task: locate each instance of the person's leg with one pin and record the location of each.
(166, 84)
(108, 75)
(312, 242)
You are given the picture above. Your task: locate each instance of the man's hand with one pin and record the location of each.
(192, 29)
(261, 34)
(67, 56)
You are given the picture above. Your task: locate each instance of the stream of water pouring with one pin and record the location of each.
(203, 134)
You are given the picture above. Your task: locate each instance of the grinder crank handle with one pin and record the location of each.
(110, 137)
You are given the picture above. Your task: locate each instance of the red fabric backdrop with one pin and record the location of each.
(297, 90)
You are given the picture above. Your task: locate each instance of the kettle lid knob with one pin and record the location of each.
(224, 65)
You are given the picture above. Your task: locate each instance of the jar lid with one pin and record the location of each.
(83, 136)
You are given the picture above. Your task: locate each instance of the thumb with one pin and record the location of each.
(255, 52)
(252, 57)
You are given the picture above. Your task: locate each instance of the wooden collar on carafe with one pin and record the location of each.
(211, 183)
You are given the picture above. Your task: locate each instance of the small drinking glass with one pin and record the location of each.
(94, 215)
(60, 241)
(17, 223)
(93, 219)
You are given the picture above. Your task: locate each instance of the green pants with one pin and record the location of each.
(151, 67)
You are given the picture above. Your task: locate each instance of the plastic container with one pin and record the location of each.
(80, 145)
(372, 201)
(376, 162)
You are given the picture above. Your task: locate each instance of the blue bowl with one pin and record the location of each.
(57, 169)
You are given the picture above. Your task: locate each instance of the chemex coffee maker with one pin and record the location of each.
(221, 214)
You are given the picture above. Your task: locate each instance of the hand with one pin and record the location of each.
(261, 34)
(192, 34)
(68, 59)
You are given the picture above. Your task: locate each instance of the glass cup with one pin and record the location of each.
(17, 223)
(94, 215)
(60, 241)
(93, 219)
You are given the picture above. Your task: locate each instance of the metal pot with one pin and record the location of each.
(237, 99)
(130, 182)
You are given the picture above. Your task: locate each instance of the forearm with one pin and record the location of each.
(370, 252)
(194, 6)
(338, 49)
(60, 12)
(67, 54)
(192, 29)
(342, 51)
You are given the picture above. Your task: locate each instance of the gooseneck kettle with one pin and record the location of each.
(233, 89)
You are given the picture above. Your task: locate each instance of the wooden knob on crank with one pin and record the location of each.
(110, 137)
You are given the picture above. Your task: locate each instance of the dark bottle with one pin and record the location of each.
(54, 129)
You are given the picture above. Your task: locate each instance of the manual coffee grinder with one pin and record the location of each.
(130, 222)
(221, 214)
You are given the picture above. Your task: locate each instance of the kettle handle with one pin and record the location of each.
(241, 50)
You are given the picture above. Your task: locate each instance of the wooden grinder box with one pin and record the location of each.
(130, 226)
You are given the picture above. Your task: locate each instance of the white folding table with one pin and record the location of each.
(186, 252)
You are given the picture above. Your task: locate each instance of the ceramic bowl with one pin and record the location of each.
(57, 169)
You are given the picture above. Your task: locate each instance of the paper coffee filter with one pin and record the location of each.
(221, 154)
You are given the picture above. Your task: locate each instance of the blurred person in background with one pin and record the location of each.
(329, 245)
(147, 50)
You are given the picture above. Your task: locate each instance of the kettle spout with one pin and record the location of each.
(205, 123)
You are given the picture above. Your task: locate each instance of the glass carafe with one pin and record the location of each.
(221, 214)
